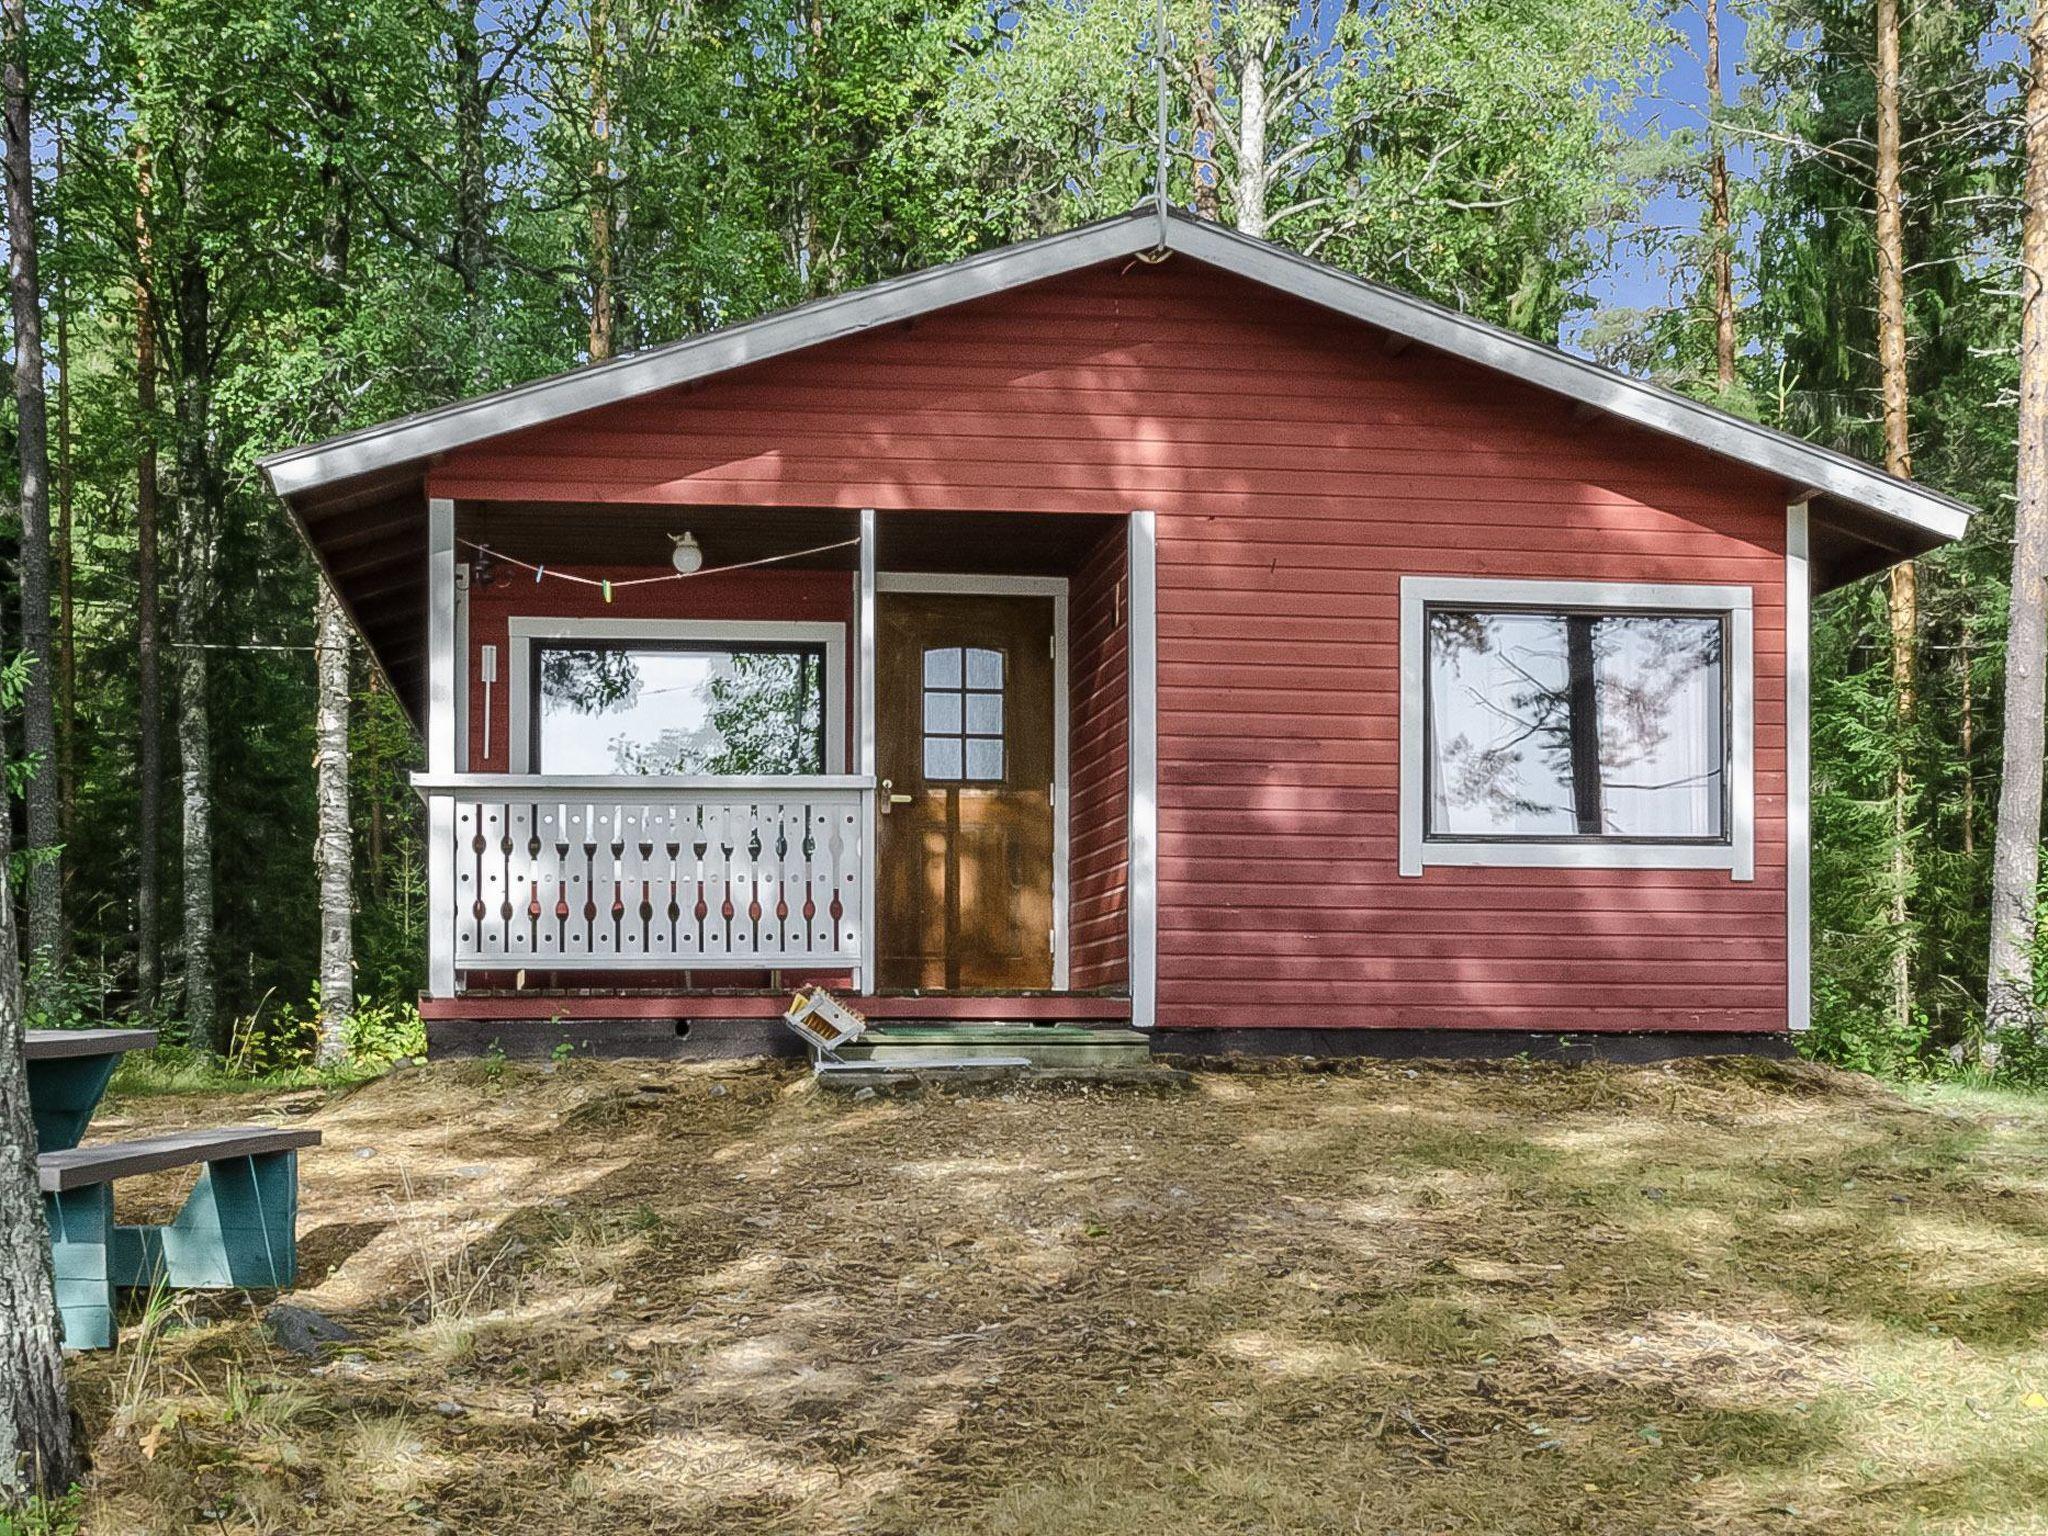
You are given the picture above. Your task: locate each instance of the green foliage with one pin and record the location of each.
(44, 1517)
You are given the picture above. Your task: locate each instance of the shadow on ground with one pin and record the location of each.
(1685, 1298)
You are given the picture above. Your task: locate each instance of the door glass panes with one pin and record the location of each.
(963, 714)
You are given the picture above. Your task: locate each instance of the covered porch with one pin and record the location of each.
(928, 779)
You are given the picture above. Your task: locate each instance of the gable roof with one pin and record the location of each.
(1925, 517)
(358, 498)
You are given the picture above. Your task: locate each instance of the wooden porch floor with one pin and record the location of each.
(1050, 1007)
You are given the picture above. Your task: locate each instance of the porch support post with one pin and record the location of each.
(441, 707)
(1142, 647)
(1798, 772)
(864, 670)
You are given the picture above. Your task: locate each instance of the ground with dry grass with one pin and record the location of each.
(1728, 1297)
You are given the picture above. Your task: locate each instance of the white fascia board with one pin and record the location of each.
(809, 325)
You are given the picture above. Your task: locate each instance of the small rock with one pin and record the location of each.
(450, 1410)
(303, 1331)
(366, 1152)
(862, 1095)
(719, 1090)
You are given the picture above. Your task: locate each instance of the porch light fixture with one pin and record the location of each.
(687, 557)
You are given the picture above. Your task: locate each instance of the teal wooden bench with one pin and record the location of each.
(237, 1230)
(68, 1071)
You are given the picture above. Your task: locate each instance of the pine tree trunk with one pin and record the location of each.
(1966, 739)
(472, 117)
(601, 297)
(1718, 212)
(149, 696)
(67, 635)
(39, 715)
(2016, 851)
(36, 1451)
(1904, 586)
(333, 847)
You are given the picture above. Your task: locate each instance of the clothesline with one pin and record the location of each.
(607, 587)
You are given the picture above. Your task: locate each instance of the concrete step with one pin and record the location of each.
(1042, 1045)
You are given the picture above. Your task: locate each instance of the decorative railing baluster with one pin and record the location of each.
(642, 874)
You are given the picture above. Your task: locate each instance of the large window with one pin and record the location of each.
(613, 706)
(1576, 723)
(1549, 725)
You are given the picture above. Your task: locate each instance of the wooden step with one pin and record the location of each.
(1042, 1045)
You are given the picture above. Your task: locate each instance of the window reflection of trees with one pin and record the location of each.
(1649, 673)
(754, 712)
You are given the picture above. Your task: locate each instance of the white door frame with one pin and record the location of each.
(1054, 587)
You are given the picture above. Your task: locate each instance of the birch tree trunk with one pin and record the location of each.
(332, 850)
(1904, 594)
(198, 558)
(2016, 851)
(1253, 174)
(39, 716)
(1717, 211)
(36, 1451)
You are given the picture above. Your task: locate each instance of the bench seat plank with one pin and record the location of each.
(81, 1167)
(55, 1044)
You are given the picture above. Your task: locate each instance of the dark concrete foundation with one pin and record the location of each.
(1458, 1045)
(726, 1039)
(654, 1039)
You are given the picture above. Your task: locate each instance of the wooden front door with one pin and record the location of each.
(964, 737)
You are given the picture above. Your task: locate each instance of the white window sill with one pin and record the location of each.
(1579, 856)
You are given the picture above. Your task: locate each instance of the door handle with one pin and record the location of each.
(889, 798)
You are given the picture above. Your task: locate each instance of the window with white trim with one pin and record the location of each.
(720, 697)
(609, 706)
(1576, 723)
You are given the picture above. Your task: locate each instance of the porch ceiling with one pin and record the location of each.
(373, 548)
(980, 543)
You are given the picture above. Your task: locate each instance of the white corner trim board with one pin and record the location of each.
(1798, 772)
(1737, 855)
(1142, 655)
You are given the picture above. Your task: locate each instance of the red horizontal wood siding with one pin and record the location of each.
(1298, 473)
(1099, 785)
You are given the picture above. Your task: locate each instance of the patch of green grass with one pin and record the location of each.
(176, 1069)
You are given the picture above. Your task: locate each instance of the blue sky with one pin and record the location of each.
(1678, 102)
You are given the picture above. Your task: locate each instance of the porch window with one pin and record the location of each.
(1576, 723)
(677, 707)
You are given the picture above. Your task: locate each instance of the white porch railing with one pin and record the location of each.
(564, 873)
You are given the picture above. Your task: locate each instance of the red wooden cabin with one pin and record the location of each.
(1143, 623)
